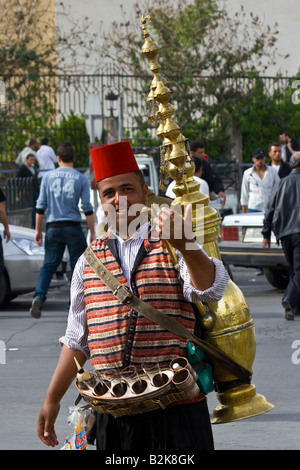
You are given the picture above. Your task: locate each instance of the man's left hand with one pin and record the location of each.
(223, 195)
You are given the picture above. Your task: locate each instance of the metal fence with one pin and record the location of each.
(19, 195)
(33, 112)
(19, 192)
(122, 99)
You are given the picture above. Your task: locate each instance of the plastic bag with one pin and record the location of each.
(77, 440)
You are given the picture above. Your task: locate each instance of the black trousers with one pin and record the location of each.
(1, 258)
(291, 247)
(177, 428)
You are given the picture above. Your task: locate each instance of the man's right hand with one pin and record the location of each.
(38, 238)
(62, 378)
(266, 244)
(45, 424)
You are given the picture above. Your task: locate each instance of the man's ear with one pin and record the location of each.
(146, 189)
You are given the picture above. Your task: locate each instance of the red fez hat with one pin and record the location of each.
(114, 159)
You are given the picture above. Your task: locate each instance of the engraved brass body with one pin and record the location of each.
(227, 324)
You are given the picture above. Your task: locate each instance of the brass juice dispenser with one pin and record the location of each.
(227, 324)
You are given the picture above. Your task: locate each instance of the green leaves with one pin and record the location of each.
(207, 55)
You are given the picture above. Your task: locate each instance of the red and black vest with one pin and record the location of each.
(118, 336)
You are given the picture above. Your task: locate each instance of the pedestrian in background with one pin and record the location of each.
(283, 169)
(6, 232)
(31, 149)
(257, 184)
(28, 170)
(60, 193)
(283, 217)
(213, 180)
(288, 146)
(46, 157)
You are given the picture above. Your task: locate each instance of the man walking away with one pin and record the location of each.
(283, 217)
(60, 192)
(257, 184)
(46, 157)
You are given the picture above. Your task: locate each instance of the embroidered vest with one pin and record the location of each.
(118, 336)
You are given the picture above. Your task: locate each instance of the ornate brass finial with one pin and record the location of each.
(175, 158)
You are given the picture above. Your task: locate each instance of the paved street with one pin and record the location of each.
(274, 374)
(32, 352)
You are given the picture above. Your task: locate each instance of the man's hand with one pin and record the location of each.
(45, 424)
(223, 195)
(172, 227)
(92, 236)
(38, 238)
(179, 233)
(6, 234)
(266, 243)
(38, 229)
(62, 378)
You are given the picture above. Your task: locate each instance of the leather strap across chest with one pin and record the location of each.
(123, 294)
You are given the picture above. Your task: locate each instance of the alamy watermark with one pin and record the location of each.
(296, 353)
(169, 223)
(2, 352)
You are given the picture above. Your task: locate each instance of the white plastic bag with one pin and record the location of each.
(77, 439)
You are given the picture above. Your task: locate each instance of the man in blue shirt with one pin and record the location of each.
(60, 192)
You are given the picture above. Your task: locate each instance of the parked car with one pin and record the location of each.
(22, 262)
(147, 165)
(241, 245)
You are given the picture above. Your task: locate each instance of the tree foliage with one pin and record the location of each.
(38, 39)
(73, 128)
(209, 56)
(263, 115)
(41, 36)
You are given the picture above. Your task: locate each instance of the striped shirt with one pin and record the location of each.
(76, 333)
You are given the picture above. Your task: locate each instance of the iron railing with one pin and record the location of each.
(122, 97)
(19, 195)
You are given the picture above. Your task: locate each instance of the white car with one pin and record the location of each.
(241, 245)
(22, 262)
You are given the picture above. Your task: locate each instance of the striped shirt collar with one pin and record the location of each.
(128, 249)
(140, 234)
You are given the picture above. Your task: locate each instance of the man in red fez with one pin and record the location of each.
(113, 336)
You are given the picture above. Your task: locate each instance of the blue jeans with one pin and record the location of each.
(55, 242)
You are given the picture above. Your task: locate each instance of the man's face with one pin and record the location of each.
(30, 160)
(283, 138)
(199, 152)
(120, 193)
(259, 162)
(275, 154)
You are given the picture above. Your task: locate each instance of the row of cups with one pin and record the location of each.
(129, 380)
